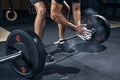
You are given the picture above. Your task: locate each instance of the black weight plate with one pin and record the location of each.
(101, 26)
(41, 49)
(29, 63)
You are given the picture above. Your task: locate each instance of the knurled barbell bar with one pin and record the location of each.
(26, 52)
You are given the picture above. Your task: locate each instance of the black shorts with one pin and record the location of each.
(34, 1)
(49, 1)
(62, 1)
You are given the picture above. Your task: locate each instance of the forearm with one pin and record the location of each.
(59, 18)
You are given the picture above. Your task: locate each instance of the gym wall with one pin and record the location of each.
(108, 8)
(17, 4)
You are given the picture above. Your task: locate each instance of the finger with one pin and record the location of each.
(81, 36)
(87, 34)
(84, 28)
(89, 31)
(83, 25)
(88, 37)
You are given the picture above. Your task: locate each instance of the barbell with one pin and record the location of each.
(27, 55)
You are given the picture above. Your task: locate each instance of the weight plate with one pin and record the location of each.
(101, 27)
(41, 49)
(33, 58)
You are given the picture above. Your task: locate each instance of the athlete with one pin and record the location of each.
(59, 11)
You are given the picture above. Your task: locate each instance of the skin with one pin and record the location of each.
(58, 17)
(76, 13)
(59, 13)
(39, 23)
(65, 11)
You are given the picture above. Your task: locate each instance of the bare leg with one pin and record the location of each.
(62, 29)
(40, 18)
(76, 13)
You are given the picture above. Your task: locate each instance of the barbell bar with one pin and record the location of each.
(10, 57)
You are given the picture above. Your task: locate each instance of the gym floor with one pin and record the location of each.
(104, 65)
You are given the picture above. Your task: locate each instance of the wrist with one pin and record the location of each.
(73, 27)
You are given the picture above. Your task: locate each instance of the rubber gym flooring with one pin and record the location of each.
(104, 65)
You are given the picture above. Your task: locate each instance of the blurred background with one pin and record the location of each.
(107, 8)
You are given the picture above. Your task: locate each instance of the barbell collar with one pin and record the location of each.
(10, 57)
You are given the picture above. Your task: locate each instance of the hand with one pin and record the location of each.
(83, 32)
(80, 29)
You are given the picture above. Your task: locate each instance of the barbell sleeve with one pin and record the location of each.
(10, 57)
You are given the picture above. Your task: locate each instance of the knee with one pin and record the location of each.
(53, 16)
(41, 12)
(76, 8)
